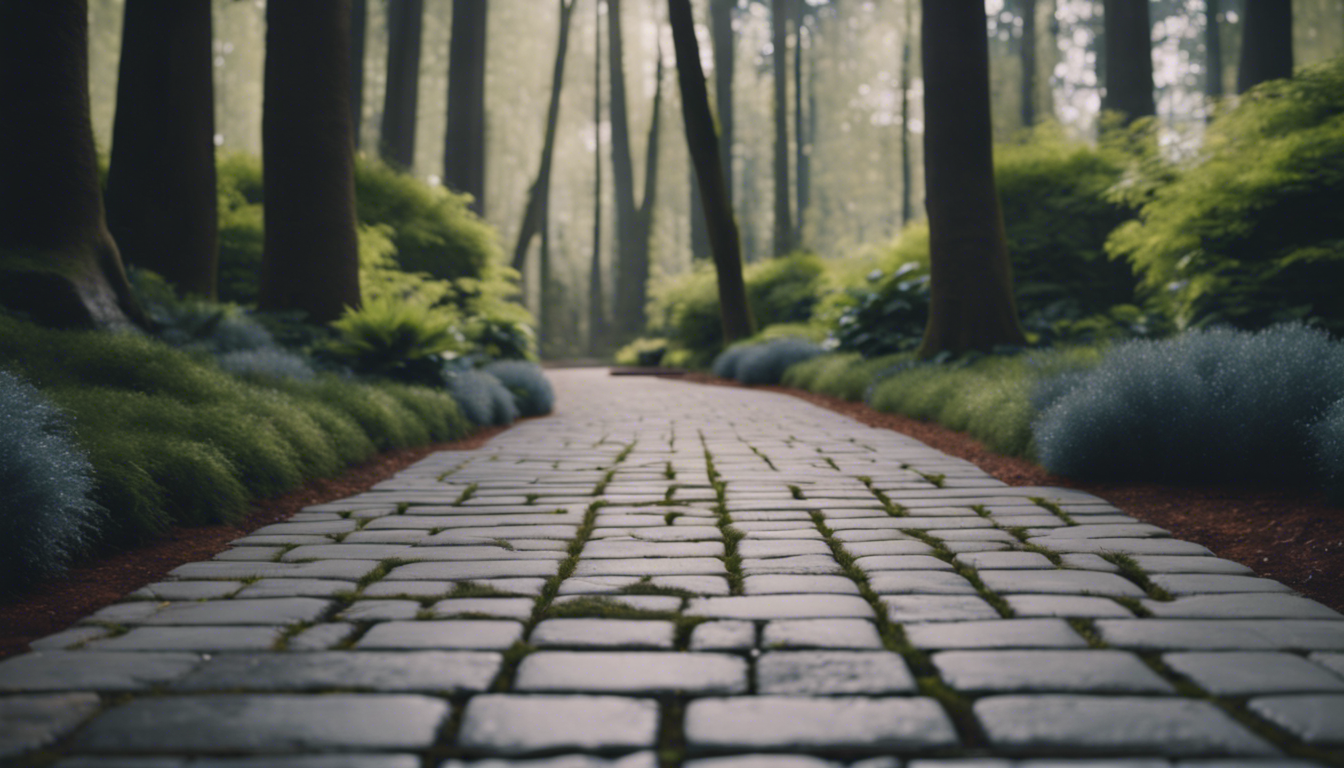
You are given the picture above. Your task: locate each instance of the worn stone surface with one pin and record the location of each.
(1316, 719)
(428, 671)
(603, 633)
(1004, 633)
(632, 672)
(34, 721)
(817, 673)
(808, 724)
(821, 633)
(450, 634)
(517, 725)
(1048, 671)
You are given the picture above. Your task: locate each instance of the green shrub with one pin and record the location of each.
(844, 375)
(1249, 232)
(725, 365)
(642, 352)
(532, 392)
(46, 513)
(397, 339)
(766, 363)
(1328, 437)
(271, 362)
(386, 422)
(433, 408)
(888, 315)
(1207, 405)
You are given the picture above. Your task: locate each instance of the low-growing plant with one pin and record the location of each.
(268, 362)
(844, 375)
(532, 392)
(483, 398)
(726, 363)
(398, 339)
(642, 352)
(766, 363)
(47, 515)
(1207, 405)
(1328, 439)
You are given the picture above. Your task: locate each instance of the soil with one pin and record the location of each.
(1288, 534)
(56, 604)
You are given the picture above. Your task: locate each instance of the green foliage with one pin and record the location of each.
(756, 363)
(1207, 405)
(483, 398)
(1249, 232)
(845, 375)
(241, 227)
(46, 513)
(888, 316)
(531, 390)
(397, 339)
(642, 351)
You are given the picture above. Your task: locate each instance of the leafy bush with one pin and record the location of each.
(483, 398)
(888, 316)
(46, 513)
(725, 366)
(397, 339)
(531, 390)
(642, 351)
(766, 363)
(1249, 232)
(1208, 405)
(1328, 436)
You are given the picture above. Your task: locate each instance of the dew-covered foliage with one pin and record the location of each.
(532, 392)
(1207, 405)
(483, 399)
(47, 514)
(1328, 437)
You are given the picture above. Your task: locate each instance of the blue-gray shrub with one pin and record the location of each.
(725, 365)
(1207, 405)
(532, 392)
(1328, 435)
(46, 514)
(766, 363)
(484, 400)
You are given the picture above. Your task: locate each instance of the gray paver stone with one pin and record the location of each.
(782, 584)
(1249, 674)
(32, 722)
(418, 671)
(724, 636)
(821, 673)
(1186, 564)
(187, 590)
(1244, 606)
(1003, 633)
(466, 634)
(1048, 671)
(796, 565)
(1005, 560)
(781, 607)
(920, 583)
(380, 610)
(635, 760)
(920, 608)
(475, 569)
(1317, 719)
(763, 761)
(821, 633)
(631, 672)
(190, 639)
(1027, 606)
(1222, 635)
(1209, 583)
(320, 637)
(519, 608)
(42, 671)
(514, 725)
(603, 633)
(807, 724)
(1059, 582)
(267, 588)
(657, 566)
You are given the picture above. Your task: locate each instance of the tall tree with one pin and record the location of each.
(1027, 8)
(597, 301)
(802, 119)
(1129, 59)
(907, 169)
(1266, 43)
(722, 39)
(359, 20)
(58, 262)
(779, 38)
(971, 283)
(464, 140)
(704, 147)
(634, 221)
(1213, 49)
(396, 141)
(310, 259)
(161, 196)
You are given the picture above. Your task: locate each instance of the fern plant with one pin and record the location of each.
(403, 340)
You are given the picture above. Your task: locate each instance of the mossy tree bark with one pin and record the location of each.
(396, 142)
(779, 38)
(634, 222)
(1266, 43)
(310, 259)
(464, 139)
(971, 278)
(1129, 59)
(703, 142)
(161, 196)
(58, 262)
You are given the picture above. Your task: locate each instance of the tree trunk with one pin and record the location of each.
(704, 146)
(634, 222)
(722, 37)
(1129, 59)
(359, 18)
(1028, 9)
(1266, 43)
(58, 262)
(779, 37)
(971, 278)
(161, 196)
(311, 255)
(801, 135)
(464, 142)
(597, 303)
(534, 215)
(907, 172)
(1213, 47)
(699, 230)
(396, 141)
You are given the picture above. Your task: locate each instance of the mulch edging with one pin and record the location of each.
(56, 604)
(1290, 535)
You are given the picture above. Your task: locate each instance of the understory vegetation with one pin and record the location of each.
(117, 436)
(1184, 315)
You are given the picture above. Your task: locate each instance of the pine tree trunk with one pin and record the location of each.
(310, 258)
(58, 262)
(161, 196)
(464, 142)
(779, 29)
(396, 141)
(1028, 43)
(1266, 43)
(1129, 59)
(722, 37)
(704, 147)
(971, 278)
(359, 19)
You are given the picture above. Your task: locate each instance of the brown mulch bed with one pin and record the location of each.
(1290, 535)
(54, 605)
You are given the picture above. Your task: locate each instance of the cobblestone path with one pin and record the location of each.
(666, 574)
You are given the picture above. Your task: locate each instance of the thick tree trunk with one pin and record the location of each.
(161, 196)
(779, 37)
(359, 20)
(534, 215)
(58, 262)
(1028, 56)
(311, 255)
(704, 146)
(1213, 48)
(1129, 59)
(907, 171)
(802, 137)
(634, 222)
(699, 229)
(971, 278)
(464, 141)
(597, 302)
(722, 37)
(396, 141)
(1266, 43)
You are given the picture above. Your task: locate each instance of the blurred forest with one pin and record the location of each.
(854, 91)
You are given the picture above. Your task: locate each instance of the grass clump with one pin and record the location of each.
(532, 392)
(47, 514)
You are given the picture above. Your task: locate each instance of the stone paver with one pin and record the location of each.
(741, 598)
